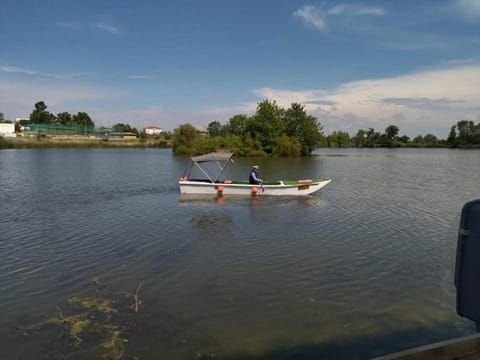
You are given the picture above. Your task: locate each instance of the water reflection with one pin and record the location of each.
(310, 201)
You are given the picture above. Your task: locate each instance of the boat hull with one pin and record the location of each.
(281, 189)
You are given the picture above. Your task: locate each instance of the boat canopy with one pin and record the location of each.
(221, 159)
(214, 156)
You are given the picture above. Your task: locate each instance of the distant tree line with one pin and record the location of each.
(389, 138)
(292, 132)
(272, 130)
(464, 134)
(41, 116)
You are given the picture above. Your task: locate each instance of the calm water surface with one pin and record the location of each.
(363, 268)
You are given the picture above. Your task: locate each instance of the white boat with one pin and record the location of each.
(213, 184)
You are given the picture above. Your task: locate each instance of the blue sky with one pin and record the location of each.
(354, 64)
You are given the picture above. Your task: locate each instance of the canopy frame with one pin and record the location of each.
(220, 158)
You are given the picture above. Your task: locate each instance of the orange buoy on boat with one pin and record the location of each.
(254, 190)
(220, 189)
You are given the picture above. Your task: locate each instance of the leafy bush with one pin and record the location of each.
(287, 146)
(256, 153)
(232, 143)
(182, 150)
(204, 145)
(183, 138)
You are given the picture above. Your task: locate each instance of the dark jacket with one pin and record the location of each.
(253, 179)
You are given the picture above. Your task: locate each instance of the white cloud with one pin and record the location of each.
(107, 27)
(356, 10)
(14, 69)
(311, 16)
(64, 76)
(103, 25)
(430, 101)
(169, 119)
(68, 24)
(18, 98)
(316, 17)
(140, 77)
(59, 76)
(468, 8)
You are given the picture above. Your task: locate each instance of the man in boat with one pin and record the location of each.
(253, 178)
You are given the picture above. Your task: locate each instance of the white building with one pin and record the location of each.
(153, 130)
(7, 130)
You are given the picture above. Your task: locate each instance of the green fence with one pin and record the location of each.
(58, 129)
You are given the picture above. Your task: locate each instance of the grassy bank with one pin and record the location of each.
(80, 142)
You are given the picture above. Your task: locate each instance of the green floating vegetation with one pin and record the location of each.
(75, 324)
(114, 345)
(99, 324)
(111, 325)
(104, 305)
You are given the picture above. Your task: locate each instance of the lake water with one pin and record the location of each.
(364, 267)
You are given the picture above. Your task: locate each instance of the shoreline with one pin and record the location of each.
(80, 142)
(95, 142)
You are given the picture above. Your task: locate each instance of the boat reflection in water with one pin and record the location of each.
(312, 201)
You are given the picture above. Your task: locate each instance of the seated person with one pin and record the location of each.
(253, 178)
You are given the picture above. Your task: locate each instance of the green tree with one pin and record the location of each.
(82, 118)
(304, 127)
(253, 146)
(237, 125)
(430, 140)
(214, 129)
(418, 141)
(373, 138)
(4, 120)
(232, 143)
(124, 128)
(40, 115)
(475, 136)
(83, 121)
(360, 138)
(64, 118)
(404, 139)
(183, 139)
(267, 124)
(287, 146)
(465, 130)
(391, 133)
(452, 136)
(119, 128)
(338, 139)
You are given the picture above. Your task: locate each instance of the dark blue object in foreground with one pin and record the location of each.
(467, 269)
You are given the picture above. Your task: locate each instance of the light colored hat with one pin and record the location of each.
(256, 167)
